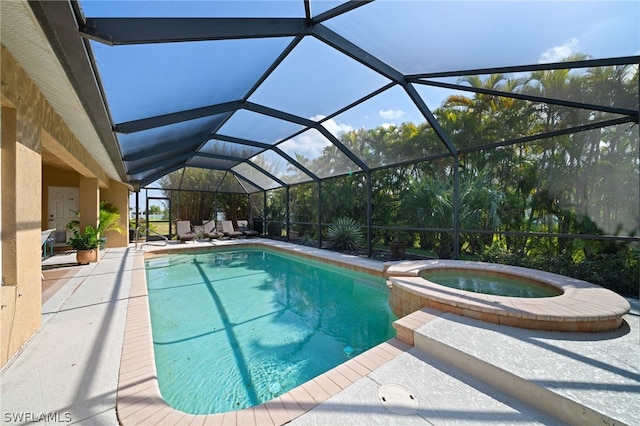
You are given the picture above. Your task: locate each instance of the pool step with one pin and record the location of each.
(519, 362)
(407, 325)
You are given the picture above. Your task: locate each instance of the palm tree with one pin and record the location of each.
(428, 204)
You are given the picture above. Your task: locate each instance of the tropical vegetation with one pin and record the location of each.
(566, 203)
(109, 220)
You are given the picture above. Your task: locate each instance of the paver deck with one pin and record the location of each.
(584, 378)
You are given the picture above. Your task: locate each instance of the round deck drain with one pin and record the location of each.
(397, 399)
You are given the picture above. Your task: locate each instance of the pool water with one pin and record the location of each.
(494, 284)
(234, 329)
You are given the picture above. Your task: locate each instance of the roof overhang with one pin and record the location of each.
(43, 38)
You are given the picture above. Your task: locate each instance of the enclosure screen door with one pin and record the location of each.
(158, 218)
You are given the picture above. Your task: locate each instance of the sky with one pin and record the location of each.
(315, 80)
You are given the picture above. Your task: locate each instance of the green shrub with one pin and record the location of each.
(345, 234)
(274, 229)
(618, 272)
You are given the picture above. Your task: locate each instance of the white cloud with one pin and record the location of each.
(391, 114)
(335, 128)
(558, 53)
(311, 143)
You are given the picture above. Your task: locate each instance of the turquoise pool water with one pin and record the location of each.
(497, 285)
(234, 329)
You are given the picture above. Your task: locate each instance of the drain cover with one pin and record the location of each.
(397, 399)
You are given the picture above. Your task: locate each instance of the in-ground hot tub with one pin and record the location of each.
(576, 306)
(490, 283)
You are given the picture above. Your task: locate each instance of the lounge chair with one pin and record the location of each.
(228, 231)
(184, 231)
(243, 226)
(209, 230)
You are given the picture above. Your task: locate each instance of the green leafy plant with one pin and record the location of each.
(345, 234)
(87, 240)
(109, 219)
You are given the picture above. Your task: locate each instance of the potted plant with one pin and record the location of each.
(85, 243)
(397, 247)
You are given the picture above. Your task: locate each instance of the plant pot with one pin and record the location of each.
(398, 249)
(86, 256)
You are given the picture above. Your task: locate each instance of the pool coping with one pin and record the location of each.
(347, 261)
(139, 400)
(582, 306)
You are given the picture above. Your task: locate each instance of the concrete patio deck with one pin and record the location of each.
(69, 371)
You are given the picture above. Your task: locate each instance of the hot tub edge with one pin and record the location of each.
(583, 307)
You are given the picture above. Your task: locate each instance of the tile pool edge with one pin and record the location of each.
(139, 400)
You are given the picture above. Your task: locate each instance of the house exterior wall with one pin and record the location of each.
(28, 123)
(116, 193)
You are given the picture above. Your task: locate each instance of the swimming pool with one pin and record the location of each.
(235, 328)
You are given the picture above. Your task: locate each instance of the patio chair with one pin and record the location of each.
(184, 231)
(210, 230)
(228, 230)
(47, 240)
(243, 226)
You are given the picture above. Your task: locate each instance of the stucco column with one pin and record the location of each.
(89, 203)
(118, 195)
(21, 291)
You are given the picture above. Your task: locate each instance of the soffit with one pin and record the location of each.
(23, 37)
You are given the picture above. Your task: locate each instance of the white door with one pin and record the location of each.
(63, 208)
